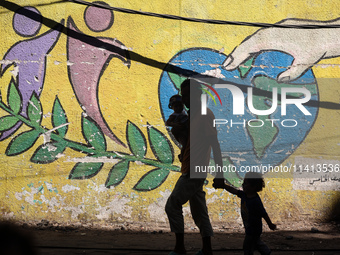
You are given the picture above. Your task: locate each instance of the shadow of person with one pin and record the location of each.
(15, 241)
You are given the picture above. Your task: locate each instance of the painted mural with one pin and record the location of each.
(24, 104)
(84, 100)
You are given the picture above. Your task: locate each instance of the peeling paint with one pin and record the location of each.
(68, 188)
(115, 208)
(156, 209)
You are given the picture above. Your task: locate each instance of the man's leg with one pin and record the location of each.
(184, 189)
(200, 215)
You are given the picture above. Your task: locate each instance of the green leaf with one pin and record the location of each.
(152, 179)
(47, 153)
(85, 170)
(34, 110)
(136, 140)
(245, 67)
(93, 134)
(22, 142)
(160, 145)
(59, 117)
(13, 97)
(7, 122)
(117, 173)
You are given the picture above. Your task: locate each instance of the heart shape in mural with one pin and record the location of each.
(247, 145)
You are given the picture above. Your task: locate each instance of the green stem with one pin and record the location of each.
(89, 150)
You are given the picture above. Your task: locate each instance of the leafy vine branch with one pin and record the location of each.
(55, 143)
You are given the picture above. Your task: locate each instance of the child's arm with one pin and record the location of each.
(269, 222)
(228, 188)
(170, 122)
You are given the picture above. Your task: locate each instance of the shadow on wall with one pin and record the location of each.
(334, 214)
(15, 240)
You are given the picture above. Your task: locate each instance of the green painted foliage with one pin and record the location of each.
(59, 118)
(47, 153)
(160, 145)
(34, 110)
(85, 170)
(7, 122)
(22, 142)
(117, 173)
(93, 134)
(94, 148)
(14, 98)
(136, 140)
(152, 179)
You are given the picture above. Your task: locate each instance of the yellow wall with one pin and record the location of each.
(130, 95)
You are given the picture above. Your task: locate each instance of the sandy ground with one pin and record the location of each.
(298, 238)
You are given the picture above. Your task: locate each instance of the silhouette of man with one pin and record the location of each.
(189, 187)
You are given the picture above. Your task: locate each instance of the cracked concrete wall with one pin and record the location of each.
(84, 101)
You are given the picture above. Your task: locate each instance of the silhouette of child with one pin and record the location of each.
(178, 120)
(252, 212)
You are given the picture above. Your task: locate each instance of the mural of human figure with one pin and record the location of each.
(89, 57)
(29, 56)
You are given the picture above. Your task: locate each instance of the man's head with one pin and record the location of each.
(191, 91)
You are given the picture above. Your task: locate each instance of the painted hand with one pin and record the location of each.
(307, 46)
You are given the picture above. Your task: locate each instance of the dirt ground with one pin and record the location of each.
(139, 239)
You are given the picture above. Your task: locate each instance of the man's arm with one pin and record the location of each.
(228, 188)
(215, 145)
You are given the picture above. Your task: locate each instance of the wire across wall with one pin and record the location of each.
(209, 21)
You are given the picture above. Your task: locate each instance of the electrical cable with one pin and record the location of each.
(209, 21)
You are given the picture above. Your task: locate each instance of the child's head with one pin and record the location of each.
(176, 104)
(253, 182)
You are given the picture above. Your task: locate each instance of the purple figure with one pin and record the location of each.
(89, 58)
(29, 56)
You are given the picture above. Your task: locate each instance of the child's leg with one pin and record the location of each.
(262, 247)
(249, 245)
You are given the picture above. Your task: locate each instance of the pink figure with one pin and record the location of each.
(29, 56)
(89, 57)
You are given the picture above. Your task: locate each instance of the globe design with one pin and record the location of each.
(246, 145)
